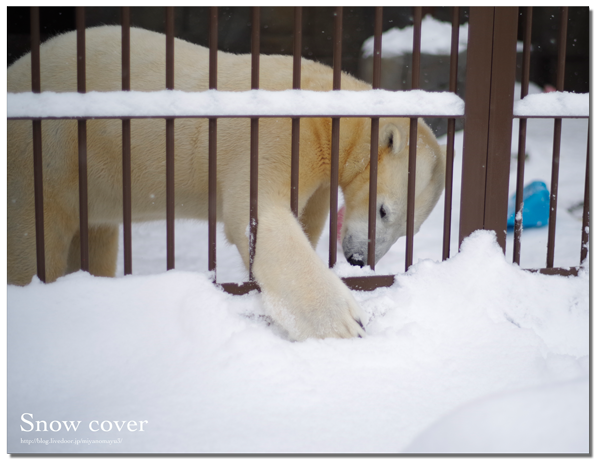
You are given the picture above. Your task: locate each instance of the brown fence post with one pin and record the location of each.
(477, 113)
(488, 120)
(504, 55)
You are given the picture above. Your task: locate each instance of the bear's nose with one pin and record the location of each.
(354, 261)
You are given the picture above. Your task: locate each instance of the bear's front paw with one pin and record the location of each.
(319, 309)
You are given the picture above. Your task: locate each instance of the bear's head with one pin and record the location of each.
(392, 189)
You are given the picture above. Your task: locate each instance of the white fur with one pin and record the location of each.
(303, 295)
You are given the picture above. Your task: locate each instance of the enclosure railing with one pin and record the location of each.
(488, 127)
(486, 159)
(560, 82)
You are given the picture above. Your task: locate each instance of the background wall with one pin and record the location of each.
(191, 23)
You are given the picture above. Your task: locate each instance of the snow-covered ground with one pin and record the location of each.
(467, 355)
(474, 338)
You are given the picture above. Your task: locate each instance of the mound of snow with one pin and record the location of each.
(435, 39)
(211, 372)
(547, 419)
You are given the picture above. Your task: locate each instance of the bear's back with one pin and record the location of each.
(148, 51)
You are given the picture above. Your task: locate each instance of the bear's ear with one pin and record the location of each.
(392, 137)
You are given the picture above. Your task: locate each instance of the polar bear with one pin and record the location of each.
(303, 295)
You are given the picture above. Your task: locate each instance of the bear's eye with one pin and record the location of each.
(382, 212)
(390, 141)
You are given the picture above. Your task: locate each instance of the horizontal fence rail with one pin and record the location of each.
(213, 104)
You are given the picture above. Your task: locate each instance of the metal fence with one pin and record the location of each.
(491, 62)
(488, 126)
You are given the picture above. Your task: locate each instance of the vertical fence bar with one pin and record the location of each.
(37, 147)
(255, 47)
(412, 150)
(212, 145)
(126, 139)
(374, 142)
(560, 85)
(585, 228)
(170, 139)
(450, 139)
(82, 142)
(296, 84)
(335, 139)
(522, 137)
(35, 49)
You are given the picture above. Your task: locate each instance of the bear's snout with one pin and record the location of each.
(353, 252)
(356, 260)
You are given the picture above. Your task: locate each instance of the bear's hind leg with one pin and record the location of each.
(103, 242)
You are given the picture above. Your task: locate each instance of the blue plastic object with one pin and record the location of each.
(536, 206)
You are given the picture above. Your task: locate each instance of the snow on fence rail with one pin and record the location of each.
(554, 105)
(263, 103)
(222, 104)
